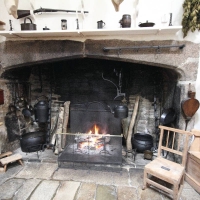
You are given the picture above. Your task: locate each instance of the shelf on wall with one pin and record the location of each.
(92, 32)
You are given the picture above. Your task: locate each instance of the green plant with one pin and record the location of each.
(191, 16)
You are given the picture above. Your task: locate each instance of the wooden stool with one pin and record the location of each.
(5, 161)
(5, 154)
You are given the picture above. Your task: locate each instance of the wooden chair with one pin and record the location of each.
(164, 174)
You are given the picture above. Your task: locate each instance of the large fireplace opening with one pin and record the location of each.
(94, 87)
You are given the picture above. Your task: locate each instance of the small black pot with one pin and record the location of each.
(32, 141)
(142, 142)
(28, 26)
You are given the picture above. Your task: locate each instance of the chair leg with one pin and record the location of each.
(181, 187)
(175, 192)
(145, 185)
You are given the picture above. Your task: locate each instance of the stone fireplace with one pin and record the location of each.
(72, 71)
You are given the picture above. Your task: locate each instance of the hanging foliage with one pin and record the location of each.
(191, 16)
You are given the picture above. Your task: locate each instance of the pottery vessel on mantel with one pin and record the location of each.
(125, 21)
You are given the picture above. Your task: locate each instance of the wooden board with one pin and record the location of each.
(9, 159)
(5, 154)
(193, 162)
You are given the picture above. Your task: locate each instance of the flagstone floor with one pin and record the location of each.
(41, 179)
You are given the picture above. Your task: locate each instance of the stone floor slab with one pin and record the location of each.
(45, 156)
(125, 193)
(71, 174)
(136, 177)
(30, 170)
(25, 191)
(106, 192)
(100, 177)
(87, 191)
(46, 170)
(189, 194)
(121, 179)
(148, 194)
(12, 170)
(67, 190)
(8, 189)
(45, 190)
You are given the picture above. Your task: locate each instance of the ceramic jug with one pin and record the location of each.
(125, 21)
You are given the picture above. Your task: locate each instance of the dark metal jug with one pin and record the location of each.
(42, 111)
(121, 111)
(100, 24)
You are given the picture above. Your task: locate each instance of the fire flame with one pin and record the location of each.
(96, 130)
(93, 140)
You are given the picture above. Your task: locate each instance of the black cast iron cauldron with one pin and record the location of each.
(32, 141)
(142, 142)
(42, 111)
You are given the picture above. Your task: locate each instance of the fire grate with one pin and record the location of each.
(92, 148)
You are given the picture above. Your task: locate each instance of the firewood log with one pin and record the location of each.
(59, 130)
(132, 123)
(65, 122)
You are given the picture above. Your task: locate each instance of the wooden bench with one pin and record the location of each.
(9, 159)
(5, 154)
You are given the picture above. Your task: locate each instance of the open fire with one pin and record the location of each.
(95, 146)
(94, 140)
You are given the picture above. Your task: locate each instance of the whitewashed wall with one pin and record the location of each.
(140, 10)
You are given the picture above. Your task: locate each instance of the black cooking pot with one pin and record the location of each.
(32, 141)
(142, 142)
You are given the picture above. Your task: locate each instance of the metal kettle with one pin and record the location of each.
(121, 111)
(41, 109)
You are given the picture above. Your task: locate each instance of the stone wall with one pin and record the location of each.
(16, 54)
